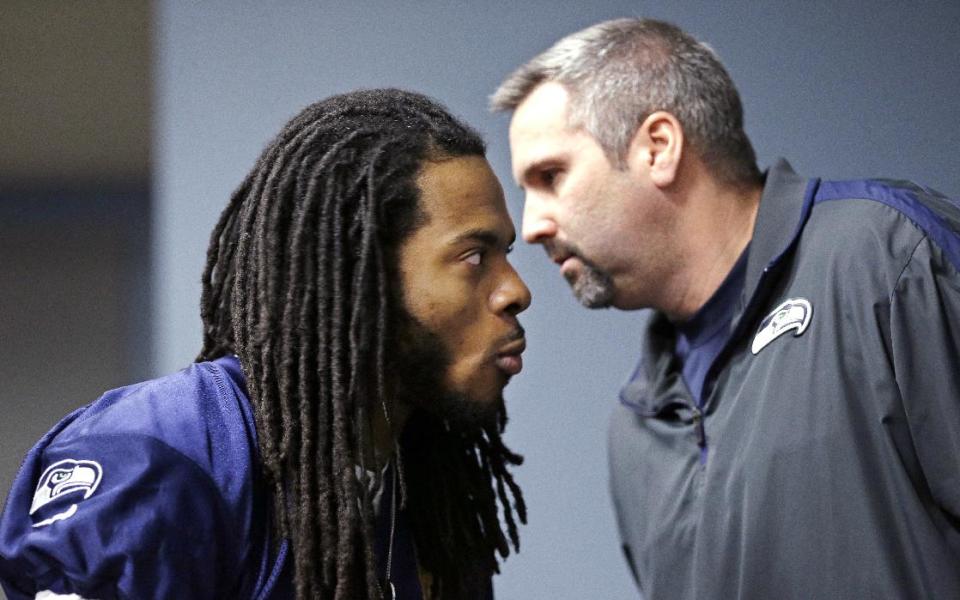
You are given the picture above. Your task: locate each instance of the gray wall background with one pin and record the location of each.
(843, 89)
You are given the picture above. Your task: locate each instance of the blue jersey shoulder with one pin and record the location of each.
(150, 491)
(201, 412)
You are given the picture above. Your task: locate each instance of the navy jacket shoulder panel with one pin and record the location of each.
(933, 213)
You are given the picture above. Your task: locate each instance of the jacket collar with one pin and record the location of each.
(656, 385)
(784, 208)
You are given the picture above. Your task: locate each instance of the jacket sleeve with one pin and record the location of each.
(925, 344)
(115, 516)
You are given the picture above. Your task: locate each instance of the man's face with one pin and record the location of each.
(458, 287)
(604, 226)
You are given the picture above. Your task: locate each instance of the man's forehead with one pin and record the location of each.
(461, 196)
(546, 95)
(484, 220)
(537, 126)
(546, 107)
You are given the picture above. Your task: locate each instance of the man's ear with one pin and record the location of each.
(657, 147)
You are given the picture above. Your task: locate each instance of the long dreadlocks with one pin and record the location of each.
(301, 283)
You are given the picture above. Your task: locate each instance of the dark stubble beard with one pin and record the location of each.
(416, 372)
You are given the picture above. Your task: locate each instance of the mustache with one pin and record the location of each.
(516, 334)
(556, 249)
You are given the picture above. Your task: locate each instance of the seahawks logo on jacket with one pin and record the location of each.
(63, 478)
(793, 315)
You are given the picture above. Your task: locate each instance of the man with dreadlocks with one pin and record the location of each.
(340, 435)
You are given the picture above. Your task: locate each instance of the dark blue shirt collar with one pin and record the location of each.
(717, 311)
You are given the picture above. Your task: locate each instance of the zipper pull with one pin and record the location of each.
(698, 424)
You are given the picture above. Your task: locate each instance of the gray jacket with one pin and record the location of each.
(831, 419)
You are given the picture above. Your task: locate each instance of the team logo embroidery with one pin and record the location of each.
(793, 315)
(63, 478)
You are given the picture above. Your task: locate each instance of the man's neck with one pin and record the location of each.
(717, 228)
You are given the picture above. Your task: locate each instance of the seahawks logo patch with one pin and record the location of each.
(793, 315)
(78, 478)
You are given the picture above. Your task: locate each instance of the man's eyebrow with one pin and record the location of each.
(487, 237)
(536, 165)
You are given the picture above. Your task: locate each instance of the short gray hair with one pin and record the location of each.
(619, 72)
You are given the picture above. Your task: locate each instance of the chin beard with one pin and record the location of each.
(416, 376)
(593, 287)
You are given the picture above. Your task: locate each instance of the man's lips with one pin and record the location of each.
(509, 359)
(562, 256)
(558, 251)
(568, 266)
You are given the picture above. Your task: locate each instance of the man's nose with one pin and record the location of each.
(512, 296)
(538, 224)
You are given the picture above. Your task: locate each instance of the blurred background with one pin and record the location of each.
(124, 127)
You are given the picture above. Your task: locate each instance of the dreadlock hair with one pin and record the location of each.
(301, 284)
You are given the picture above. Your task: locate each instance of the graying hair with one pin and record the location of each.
(619, 72)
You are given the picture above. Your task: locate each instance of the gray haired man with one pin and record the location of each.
(792, 427)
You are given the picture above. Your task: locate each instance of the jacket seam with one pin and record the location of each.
(906, 265)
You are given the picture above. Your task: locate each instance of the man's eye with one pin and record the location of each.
(549, 177)
(474, 258)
